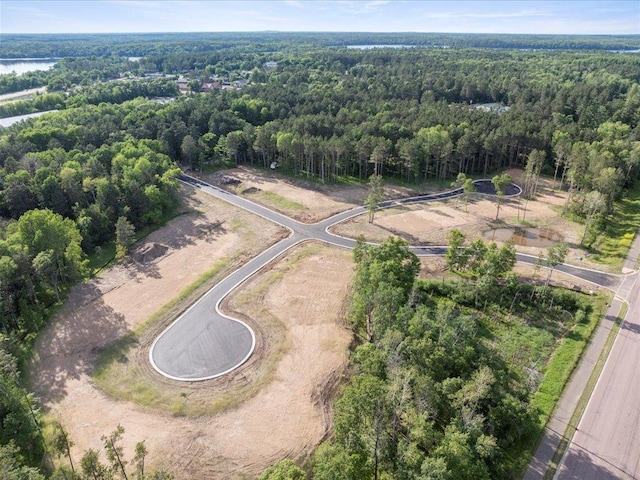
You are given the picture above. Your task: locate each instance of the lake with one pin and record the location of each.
(7, 122)
(23, 65)
(369, 47)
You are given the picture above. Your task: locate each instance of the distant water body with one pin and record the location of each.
(369, 47)
(23, 65)
(7, 122)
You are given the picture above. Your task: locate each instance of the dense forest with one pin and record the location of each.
(79, 180)
(145, 44)
(444, 373)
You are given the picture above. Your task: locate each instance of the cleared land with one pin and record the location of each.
(295, 305)
(303, 348)
(429, 223)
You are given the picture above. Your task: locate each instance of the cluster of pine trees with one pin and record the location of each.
(67, 179)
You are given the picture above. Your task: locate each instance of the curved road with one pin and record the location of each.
(203, 343)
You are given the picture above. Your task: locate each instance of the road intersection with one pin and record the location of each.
(203, 344)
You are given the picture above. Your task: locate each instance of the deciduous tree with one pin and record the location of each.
(501, 182)
(376, 195)
(125, 234)
(556, 254)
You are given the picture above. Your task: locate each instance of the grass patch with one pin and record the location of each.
(564, 361)
(278, 201)
(170, 215)
(612, 246)
(558, 370)
(116, 372)
(101, 257)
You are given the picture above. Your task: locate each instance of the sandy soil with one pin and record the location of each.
(295, 305)
(288, 417)
(316, 201)
(429, 223)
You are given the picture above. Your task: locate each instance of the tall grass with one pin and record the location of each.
(612, 246)
(564, 360)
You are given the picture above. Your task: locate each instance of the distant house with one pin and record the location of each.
(271, 65)
(183, 84)
(491, 107)
(163, 100)
(208, 86)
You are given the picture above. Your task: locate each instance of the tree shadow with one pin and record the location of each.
(411, 239)
(440, 212)
(68, 348)
(188, 227)
(142, 271)
(579, 465)
(633, 328)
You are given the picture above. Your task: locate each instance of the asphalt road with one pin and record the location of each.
(606, 445)
(203, 343)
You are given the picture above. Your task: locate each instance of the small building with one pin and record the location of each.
(491, 107)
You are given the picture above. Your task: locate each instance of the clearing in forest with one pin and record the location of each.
(296, 305)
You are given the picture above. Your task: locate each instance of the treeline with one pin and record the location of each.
(14, 83)
(67, 72)
(412, 114)
(60, 206)
(39, 103)
(408, 113)
(143, 44)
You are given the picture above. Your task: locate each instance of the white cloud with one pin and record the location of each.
(358, 7)
(319, 15)
(457, 15)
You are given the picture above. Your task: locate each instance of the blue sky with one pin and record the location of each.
(105, 16)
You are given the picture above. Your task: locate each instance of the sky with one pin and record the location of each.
(120, 16)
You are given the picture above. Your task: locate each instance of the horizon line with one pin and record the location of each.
(331, 32)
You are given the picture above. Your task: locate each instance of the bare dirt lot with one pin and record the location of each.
(304, 200)
(429, 223)
(287, 417)
(295, 305)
